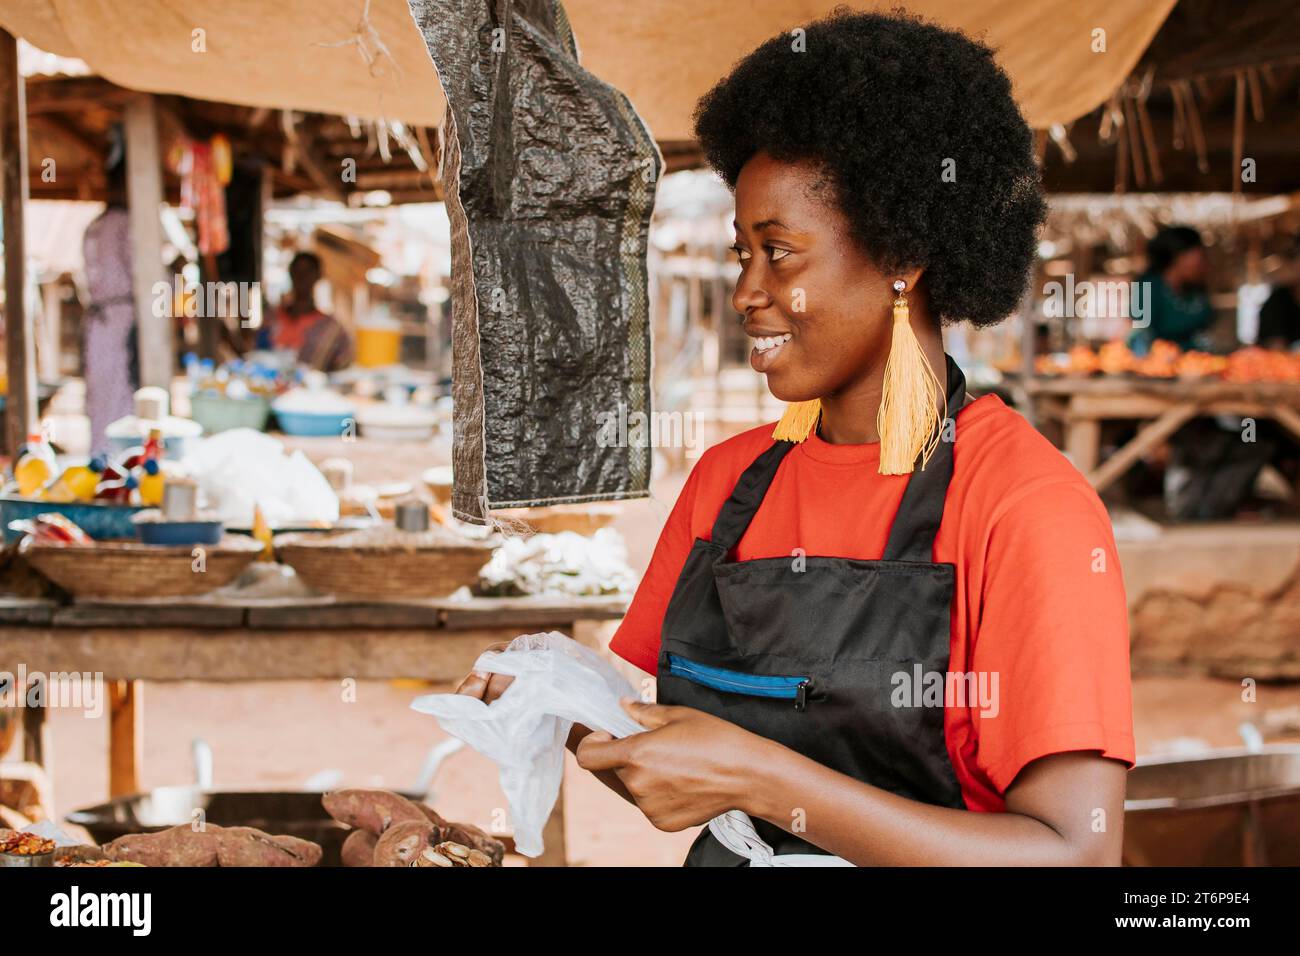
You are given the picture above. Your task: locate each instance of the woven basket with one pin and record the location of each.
(381, 571)
(121, 570)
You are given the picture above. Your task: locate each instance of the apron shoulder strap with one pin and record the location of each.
(911, 537)
(738, 510)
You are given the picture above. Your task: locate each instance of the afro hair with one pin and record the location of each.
(914, 127)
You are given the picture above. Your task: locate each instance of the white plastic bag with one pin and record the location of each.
(48, 830)
(557, 682)
(240, 469)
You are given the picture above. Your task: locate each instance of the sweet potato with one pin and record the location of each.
(81, 853)
(179, 846)
(466, 834)
(246, 846)
(359, 848)
(372, 810)
(212, 846)
(433, 816)
(402, 843)
(379, 812)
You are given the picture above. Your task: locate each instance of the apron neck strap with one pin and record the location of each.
(911, 537)
(738, 510)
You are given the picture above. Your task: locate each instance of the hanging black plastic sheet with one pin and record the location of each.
(549, 178)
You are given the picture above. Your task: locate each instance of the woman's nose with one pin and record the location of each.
(749, 293)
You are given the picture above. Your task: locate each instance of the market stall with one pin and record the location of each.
(224, 639)
(266, 517)
(1079, 403)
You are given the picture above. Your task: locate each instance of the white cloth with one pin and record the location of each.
(735, 830)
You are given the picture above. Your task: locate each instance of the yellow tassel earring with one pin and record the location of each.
(798, 420)
(909, 421)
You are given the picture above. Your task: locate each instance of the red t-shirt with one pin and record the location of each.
(291, 330)
(1039, 598)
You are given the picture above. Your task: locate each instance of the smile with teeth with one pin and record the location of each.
(765, 344)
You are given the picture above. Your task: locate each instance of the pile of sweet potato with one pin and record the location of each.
(212, 846)
(390, 830)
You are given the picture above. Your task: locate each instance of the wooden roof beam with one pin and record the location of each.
(73, 94)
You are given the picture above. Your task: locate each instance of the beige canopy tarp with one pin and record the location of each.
(323, 56)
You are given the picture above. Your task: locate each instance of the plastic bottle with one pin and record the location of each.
(151, 484)
(108, 469)
(119, 492)
(153, 446)
(207, 378)
(77, 483)
(34, 467)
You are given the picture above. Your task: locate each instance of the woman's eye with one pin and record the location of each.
(741, 254)
(776, 255)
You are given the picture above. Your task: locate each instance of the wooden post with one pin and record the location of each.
(144, 196)
(209, 335)
(265, 196)
(36, 740)
(1083, 442)
(20, 345)
(49, 353)
(125, 743)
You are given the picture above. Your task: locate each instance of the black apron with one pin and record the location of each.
(805, 651)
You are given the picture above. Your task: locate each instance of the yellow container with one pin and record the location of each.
(378, 345)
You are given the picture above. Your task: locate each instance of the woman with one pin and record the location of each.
(1174, 287)
(109, 362)
(800, 605)
(1279, 317)
(297, 325)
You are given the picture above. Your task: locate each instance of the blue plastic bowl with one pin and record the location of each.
(314, 424)
(180, 532)
(100, 521)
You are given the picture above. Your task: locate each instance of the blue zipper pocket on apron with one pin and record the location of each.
(736, 682)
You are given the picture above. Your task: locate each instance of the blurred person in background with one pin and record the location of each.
(1212, 471)
(1174, 285)
(110, 363)
(1279, 319)
(320, 341)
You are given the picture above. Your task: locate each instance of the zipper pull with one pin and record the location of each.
(801, 696)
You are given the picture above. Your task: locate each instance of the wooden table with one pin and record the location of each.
(1081, 404)
(214, 639)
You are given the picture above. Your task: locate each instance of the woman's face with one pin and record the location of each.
(1191, 266)
(303, 275)
(805, 284)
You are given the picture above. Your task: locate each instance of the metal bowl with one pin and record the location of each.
(1222, 808)
(27, 859)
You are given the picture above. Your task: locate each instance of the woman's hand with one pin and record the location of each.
(687, 767)
(486, 687)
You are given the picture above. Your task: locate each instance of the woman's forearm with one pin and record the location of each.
(873, 827)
